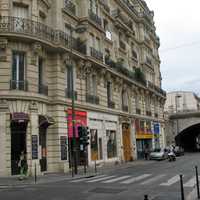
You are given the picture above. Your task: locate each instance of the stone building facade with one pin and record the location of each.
(110, 48)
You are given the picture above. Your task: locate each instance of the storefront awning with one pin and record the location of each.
(45, 121)
(19, 117)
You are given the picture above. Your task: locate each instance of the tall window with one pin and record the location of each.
(109, 91)
(94, 6)
(19, 11)
(40, 71)
(98, 45)
(69, 74)
(92, 40)
(92, 84)
(124, 98)
(18, 70)
(111, 143)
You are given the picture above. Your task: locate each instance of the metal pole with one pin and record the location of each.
(95, 166)
(146, 197)
(197, 181)
(182, 189)
(73, 108)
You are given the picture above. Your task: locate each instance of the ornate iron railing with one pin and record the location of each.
(96, 54)
(39, 31)
(92, 99)
(19, 85)
(70, 6)
(94, 17)
(69, 93)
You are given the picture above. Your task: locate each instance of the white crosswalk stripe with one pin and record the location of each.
(171, 181)
(152, 179)
(134, 179)
(191, 182)
(100, 179)
(116, 179)
(85, 179)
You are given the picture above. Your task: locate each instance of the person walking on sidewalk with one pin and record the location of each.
(146, 153)
(22, 164)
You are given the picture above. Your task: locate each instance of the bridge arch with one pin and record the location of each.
(189, 136)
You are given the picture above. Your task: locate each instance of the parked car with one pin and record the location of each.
(158, 154)
(179, 151)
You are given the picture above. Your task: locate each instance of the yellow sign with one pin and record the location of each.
(144, 136)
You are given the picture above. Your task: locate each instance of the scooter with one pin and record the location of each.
(171, 156)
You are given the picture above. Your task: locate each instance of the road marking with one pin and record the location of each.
(171, 181)
(100, 179)
(84, 179)
(191, 182)
(116, 179)
(152, 179)
(134, 179)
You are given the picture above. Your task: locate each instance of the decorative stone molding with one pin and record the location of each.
(33, 106)
(37, 48)
(124, 120)
(3, 105)
(3, 43)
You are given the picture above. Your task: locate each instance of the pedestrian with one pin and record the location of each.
(22, 164)
(146, 153)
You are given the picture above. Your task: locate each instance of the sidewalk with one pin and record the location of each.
(13, 181)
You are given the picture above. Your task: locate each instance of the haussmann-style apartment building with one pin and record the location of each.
(109, 49)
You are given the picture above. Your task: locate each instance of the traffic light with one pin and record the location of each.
(83, 133)
(86, 137)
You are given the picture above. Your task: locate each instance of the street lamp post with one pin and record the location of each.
(73, 146)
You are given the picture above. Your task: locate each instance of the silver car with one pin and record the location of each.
(158, 154)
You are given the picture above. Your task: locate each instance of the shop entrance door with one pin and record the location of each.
(43, 145)
(18, 144)
(127, 143)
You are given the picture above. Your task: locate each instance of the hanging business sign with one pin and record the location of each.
(156, 128)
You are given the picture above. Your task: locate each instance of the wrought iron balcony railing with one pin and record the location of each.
(96, 54)
(43, 89)
(26, 27)
(70, 6)
(125, 108)
(138, 111)
(111, 104)
(69, 93)
(92, 99)
(19, 85)
(94, 17)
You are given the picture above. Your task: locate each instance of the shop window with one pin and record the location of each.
(63, 147)
(94, 144)
(111, 144)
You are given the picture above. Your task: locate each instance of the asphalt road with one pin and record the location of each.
(160, 180)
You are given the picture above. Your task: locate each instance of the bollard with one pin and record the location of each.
(197, 182)
(182, 189)
(35, 177)
(146, 197)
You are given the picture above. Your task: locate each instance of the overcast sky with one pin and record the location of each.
(178, 26)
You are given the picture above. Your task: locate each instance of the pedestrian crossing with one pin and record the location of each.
(162, 180)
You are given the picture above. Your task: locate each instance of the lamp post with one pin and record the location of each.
(73, 146)
(177, 122)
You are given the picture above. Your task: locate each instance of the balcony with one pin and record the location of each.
(19, 85)
(92, 99)
(130, 6)
(43, 89)
(148, 113)
(94, 17)
(96, 54)
(125, 108)
(111, 104)
(69, 93)
(27, 28)
(122, 45)
(70, 7)
(138, 111)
